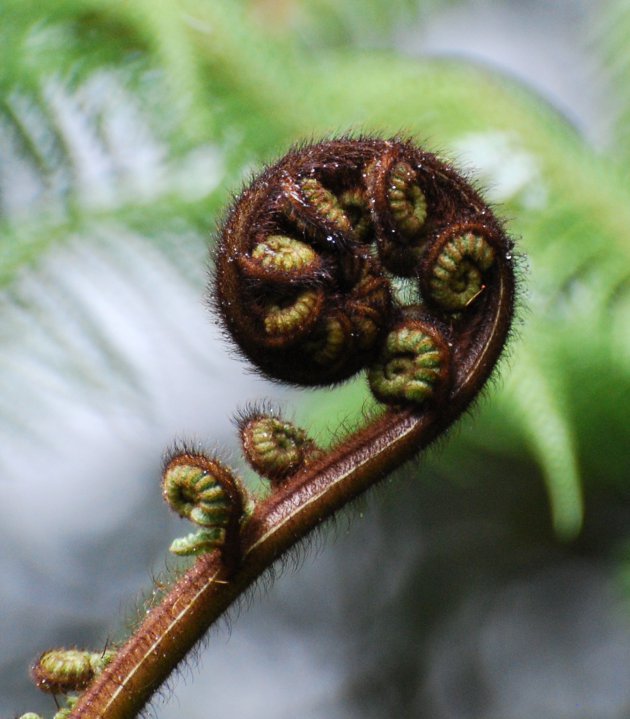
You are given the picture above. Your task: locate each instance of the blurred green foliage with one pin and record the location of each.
(249, 78)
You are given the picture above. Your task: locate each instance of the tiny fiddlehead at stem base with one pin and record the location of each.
(309, 264)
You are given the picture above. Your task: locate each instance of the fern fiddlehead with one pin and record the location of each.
(60, 671)
(347, 255)
(274, 448)
(206, 492)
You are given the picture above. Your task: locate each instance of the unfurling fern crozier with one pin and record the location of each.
(347, 256)
(316, 255)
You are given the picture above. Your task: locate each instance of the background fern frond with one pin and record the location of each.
(610, 37)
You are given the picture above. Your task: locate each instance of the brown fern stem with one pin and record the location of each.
(201, 596)
(304, 285)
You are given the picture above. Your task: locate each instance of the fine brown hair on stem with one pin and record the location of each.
(310, 262)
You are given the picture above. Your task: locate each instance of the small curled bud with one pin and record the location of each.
(355, 204)
(407, 202)
(400, 210)
(455, 267)
(332, 340)
(281, 259)
(274, 448)
(325, 204)
(413, 366)
(206, 492)
(284, 253)
(59, 671)
(289, 317)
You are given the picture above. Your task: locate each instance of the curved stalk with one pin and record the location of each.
(203, 594)
(304, 285)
